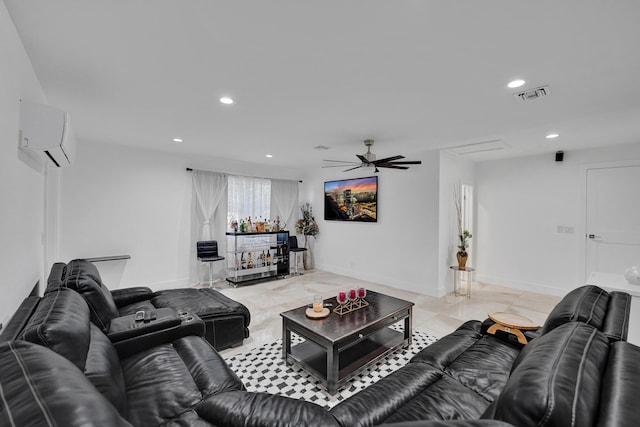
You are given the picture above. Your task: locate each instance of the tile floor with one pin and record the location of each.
(435, 316)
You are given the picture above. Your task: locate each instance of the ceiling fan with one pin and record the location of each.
(368, 159)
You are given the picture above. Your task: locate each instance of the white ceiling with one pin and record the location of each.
(412, 74)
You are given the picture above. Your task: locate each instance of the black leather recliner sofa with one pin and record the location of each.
(56, 367)
(226, 321)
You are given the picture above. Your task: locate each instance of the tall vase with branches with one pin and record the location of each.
(463, 235)
(307, 226)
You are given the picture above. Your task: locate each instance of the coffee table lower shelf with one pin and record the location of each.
(352, 359)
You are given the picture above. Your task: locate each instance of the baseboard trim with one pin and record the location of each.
(516, 284)
(417, 287)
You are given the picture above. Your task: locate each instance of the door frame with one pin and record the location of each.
(582, 223)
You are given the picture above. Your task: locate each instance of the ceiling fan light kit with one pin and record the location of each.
(368, 159)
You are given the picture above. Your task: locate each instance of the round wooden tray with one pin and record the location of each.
(317, 315)
(512, 320)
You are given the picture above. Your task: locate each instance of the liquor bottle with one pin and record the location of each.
(242, 226)
(249, 226)
(268, 257)
(250, 263)
(243, 262)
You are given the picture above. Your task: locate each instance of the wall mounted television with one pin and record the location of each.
(351, 200)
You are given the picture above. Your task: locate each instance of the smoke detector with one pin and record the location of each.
(531, 94)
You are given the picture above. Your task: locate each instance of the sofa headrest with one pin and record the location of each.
(83, 277)
(587, 304)
(56, 276)
(556, 379)
(61, 322)
(41, 388)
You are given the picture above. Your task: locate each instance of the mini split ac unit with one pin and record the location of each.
(46, 129)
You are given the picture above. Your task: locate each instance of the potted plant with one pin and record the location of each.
(307, 226)
(463, 235)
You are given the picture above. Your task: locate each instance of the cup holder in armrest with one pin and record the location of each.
(126, 327)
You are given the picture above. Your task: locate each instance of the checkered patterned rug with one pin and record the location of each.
(263, 370)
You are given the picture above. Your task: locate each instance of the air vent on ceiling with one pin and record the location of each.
(321, 147)
(479, 147)
(531, 94)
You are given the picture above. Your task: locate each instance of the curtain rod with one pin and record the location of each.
(261, 177)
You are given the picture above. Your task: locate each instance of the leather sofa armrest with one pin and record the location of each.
(620, 387)
(126, 296)
(166, 328)
(449, 423)
(126, 327)
(247, 409)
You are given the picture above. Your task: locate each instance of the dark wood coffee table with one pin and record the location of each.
(338, 347)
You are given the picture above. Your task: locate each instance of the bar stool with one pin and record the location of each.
(207, 251)
(293, 247)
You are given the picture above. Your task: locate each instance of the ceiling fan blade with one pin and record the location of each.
(339, 166)
(338, 161)
(347, 170)
(362, 158)
(390, 166)
(387, 160)
(406, 162)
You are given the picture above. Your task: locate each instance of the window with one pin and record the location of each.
(248, 197)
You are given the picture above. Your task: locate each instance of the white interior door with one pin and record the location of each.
(613, 219)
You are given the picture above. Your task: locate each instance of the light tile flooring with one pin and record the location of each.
(435, 316)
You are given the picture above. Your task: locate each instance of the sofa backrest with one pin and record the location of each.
(61, 322)
(83, 277)
(608, 312)
(557, 379)
(42, 388)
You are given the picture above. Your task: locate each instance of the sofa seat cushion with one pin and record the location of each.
(206, 303)
(556, 380)
(131, 309)
(241, 408)
(42, 388)
(416, 391)
(167, 380)
(479, 362)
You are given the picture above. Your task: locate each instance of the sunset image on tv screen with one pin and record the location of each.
(351, 199)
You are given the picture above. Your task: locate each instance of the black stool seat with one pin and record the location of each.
(207, 251)
(293, 247)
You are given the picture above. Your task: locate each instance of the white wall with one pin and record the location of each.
(520, 204)
(120, 200)
(454, 170)
(21, 182)
(401, 249)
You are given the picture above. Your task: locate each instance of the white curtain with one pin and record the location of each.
(284, 202)
(208, 219)
(248, 197)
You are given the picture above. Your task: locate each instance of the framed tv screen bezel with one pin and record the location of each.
(356, 212)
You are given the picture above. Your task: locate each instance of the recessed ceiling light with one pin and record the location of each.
(552, 136)
(515, 83)
(177, 139)
(226, 100)
(269, 156)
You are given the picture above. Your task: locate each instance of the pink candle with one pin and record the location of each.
(342, 297)
(362, 292)
(352, 294)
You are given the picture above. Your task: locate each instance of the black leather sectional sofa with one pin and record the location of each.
(58, 368)
(226, 321)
